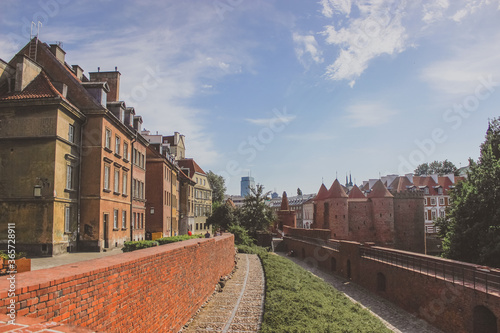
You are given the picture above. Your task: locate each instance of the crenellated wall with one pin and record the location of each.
(151, 290)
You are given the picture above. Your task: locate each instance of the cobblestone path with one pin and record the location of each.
(395, 318)
(239, 307)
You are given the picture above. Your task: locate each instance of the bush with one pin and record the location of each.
(241, 236)
(18, 255)
(253, 249)
(137, 245)
(173, 239)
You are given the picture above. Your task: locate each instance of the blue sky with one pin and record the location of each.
(292, 91)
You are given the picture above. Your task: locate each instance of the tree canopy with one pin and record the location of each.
(217, 183)
(256, 214)
(471, 230)
(441, 168)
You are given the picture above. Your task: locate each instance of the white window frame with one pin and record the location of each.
(117, 145)
(107, 142)
(107, 171)
(125, 150)
(67, 218)
(124, 183)
(117, 181)
(115, 219)
(433, 201)
(441, 201)
(124, 219)
(69, 177)
(71, 133)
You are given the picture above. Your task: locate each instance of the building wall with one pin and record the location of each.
(138, 204)
(447, 304)
(408, 226)
(202, 203)
(157, 186)
(152, 290)
(360, 220)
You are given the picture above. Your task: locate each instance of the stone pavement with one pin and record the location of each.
(395, 318)
(69, 258)
(239, 307)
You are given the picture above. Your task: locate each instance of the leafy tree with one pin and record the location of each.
(217, 183)
(472, 228)
(299, 191)
(441, 168)
(256, 215)
(223, 216)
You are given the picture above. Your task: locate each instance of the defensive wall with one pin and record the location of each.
(451, 295)
(151, 290)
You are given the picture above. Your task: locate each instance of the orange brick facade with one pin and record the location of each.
(152, 290)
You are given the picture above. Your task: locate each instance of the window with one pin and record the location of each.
(124, 219)
(441, 213)
(117, 181)
(67, 217)
(115, 219)
(433, 201)
(124, 183)
(134, 156)
(433, 214)
(117, 145)
(125, 150)
(107, 143)
(426, 190)
(106, 177)
(71, 133)
(440, 190)
(142, 220)
(441, 201)
(69, 177)
(132, 222)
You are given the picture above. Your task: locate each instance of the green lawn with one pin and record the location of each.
(297, 301)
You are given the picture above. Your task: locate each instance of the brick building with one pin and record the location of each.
(302, 205)
(68, 174)
(388, 219)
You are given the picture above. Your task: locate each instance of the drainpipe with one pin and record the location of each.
(171, 207)
(79, 200)
(131, 183)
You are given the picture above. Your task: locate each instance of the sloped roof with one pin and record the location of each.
(40, 87)
(284, 202)
(336, 190)
(322, 193)
(192, 166)
(356, 193)
(379, 191)
(400, 184)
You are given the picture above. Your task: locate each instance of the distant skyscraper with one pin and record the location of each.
(246, 183)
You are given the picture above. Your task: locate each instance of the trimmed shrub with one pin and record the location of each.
(241, 236)
(173, 239)
(130, 246)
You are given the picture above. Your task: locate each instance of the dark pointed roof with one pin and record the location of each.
(400, 184)
(379, 191)
(322, 193)
(356, 193)
(284, 202)
(40, 87)
(336, 190)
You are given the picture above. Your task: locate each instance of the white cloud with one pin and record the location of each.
(459, 75)
(369, 114)
(471, 7)
(331, 6)
(307, 45)
(377, 31)
(434, 11)
(267, 121)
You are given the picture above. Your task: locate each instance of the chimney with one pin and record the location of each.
(78, 71)
(113, 80)
(58, 52)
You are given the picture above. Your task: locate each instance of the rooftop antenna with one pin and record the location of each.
(34, 39)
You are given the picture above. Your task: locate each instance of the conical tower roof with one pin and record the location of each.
(336, 190)
(322, 193)
(356, 193)
(284, 202)
(380, 191)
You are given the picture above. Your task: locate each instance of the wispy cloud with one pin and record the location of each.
(307, 45)
(369, 114)
(267, 121)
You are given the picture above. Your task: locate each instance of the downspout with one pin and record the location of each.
(131, 193)
(171, 207)
(79, 200)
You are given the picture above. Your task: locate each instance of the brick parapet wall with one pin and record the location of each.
(152, 290)
(443, 300)
(323, 234)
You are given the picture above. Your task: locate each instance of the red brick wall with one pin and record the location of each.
(446, 305)
(151, 290)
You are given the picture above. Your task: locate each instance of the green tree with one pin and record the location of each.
(218, 185)
(441, 168)
(256, 215)
(472, 228)
(223, 216)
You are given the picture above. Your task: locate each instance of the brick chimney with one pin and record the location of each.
(113, 80)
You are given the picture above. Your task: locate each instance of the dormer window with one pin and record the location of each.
(426, 190)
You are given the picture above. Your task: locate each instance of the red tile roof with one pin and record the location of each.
(379, 191)
(400, 184)
(336, 190)
(192, 166)
(40, 87)
(322, 193)
(356, 193)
